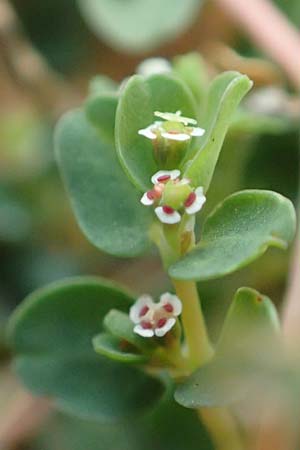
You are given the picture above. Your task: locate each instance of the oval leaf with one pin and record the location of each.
(107, 345)
(238, 231)
(238, 367)
(225, 94)
(106, 205)
(138, 25)
(101, 111)
(51, 335)
(138, 101)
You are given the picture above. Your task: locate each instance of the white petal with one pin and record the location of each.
(198, 203)
(152, 66)
(173, 300)
(196, 131)
(147, 132)
(138, 329)
(159, 332)
(134, 312)
(145, 200)
(171, 117)
(176, 136)
(170, 219)
(172, 173)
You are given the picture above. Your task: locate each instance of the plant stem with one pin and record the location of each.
(222, 428)
(199, 346)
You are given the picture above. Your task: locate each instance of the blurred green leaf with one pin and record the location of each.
(107, 345)
(101, 111)
(15, 219)
(192, 70)
(168, 427)
(135, 26)
(225, 93)
(238, 231)
(138, 101)
(51, 335)
(106, 205)
(251, 325)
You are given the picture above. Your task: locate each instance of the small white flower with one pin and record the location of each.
(195, 201)
(152, 66)
(168, 215)
(155, 319)
(184, 133)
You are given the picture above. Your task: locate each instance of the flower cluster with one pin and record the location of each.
(155, 319)
(173, 127)
(173, 196)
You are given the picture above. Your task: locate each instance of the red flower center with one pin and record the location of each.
(144, 311)
(168, 307)
(167, 209)
(161, 322)
(146, 325)
(163, 178)
(190, 200)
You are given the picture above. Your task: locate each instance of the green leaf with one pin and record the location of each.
(100, 84)
(248, 122)
(119, 325)
(107, 345)
(225, 94)
(138, 101)
(136, 26)
(106, 205)
(51, 335)
(101, 111)
(238, 231)
(192, 70)
(238, 367)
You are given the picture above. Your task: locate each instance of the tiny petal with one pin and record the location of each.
(173, 300)
(173, 174)
(152, 66)
(138, 329)
(176, 136)
(167, 217)
(135, 310)
(147, 132)
(196, 131)
(145, 200)
(162, 331)
(175, 117)
(198, 202)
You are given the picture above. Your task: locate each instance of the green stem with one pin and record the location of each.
(222, 428)
(199, 347)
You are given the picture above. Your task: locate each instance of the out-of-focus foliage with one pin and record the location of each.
(138, 25)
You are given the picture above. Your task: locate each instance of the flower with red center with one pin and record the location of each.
(155, 319)
(173, 196)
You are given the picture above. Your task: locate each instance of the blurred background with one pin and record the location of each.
(49, 51)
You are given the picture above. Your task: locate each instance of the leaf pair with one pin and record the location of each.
(51, 335)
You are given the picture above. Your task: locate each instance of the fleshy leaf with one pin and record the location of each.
(107, 345)
(191, 69)
(225, 93)
(238, 231)
(51, 336)
(106, 205)
(119, 325)
(138, 25)
(101, 111)
(238, 368)
(138, 101)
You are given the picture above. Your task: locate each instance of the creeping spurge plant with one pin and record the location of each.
(137, 163)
